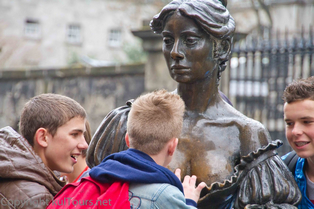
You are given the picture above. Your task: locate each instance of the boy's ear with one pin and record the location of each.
(127, 140)
(41, 137)
(172, 146)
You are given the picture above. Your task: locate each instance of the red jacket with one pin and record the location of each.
(91, 194)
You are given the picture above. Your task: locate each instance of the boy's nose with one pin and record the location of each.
(82, 144)
(297, 129)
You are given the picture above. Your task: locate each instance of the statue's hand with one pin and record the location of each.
(270, 206)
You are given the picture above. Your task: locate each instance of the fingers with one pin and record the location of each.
(189, 180)
(178, 173)
(190, 190)
(200, 186)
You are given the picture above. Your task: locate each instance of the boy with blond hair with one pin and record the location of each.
(299, 118)
(154, 125)
(52, 130)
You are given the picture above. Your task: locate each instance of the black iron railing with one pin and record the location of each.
(260, 69)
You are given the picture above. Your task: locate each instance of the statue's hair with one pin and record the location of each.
(48, 111)
(300, 89)
(154, 119)
(211, 15)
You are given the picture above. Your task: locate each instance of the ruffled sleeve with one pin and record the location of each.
(266, 182)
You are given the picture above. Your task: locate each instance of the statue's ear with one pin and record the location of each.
(222, 49)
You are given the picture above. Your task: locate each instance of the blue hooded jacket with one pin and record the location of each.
(134, 166)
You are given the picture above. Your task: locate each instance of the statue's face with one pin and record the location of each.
(187, 49)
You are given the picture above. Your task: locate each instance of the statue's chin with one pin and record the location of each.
(182, 78)
(188, 79)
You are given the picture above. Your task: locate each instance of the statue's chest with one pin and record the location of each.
(208, 150)
(209, 136)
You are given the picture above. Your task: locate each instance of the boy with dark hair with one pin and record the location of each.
(154, 125)
(299, 118)
(80, 169)
(52, 130)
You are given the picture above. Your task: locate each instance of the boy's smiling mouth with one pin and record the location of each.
(300, 144)
(74, 157)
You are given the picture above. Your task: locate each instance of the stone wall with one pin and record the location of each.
(98, 90)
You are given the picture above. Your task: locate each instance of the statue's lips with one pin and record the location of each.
(180, 70)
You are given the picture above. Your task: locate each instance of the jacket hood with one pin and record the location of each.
(133, 166)
(19, 161)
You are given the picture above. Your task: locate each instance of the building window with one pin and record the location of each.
(115, 38)
(74, 34)
(32, 29)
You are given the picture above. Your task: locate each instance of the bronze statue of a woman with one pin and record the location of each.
(232, 153)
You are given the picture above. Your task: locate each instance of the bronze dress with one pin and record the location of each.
(257, 179)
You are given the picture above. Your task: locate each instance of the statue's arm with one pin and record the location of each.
(267, 183)
(109, 136)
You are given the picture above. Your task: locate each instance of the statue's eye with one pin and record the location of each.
(168, 40)
(191, 40)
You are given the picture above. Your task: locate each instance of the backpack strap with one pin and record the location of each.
(291, 161)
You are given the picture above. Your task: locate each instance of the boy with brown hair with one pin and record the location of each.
(52, 128)
(80, 169)
(154, 125)
(299, 118)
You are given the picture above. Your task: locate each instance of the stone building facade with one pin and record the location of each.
(54, 34)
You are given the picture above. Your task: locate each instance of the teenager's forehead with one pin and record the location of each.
(299, 109)
(76, 123)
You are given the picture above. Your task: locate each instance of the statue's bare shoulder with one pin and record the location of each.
(251, 133)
